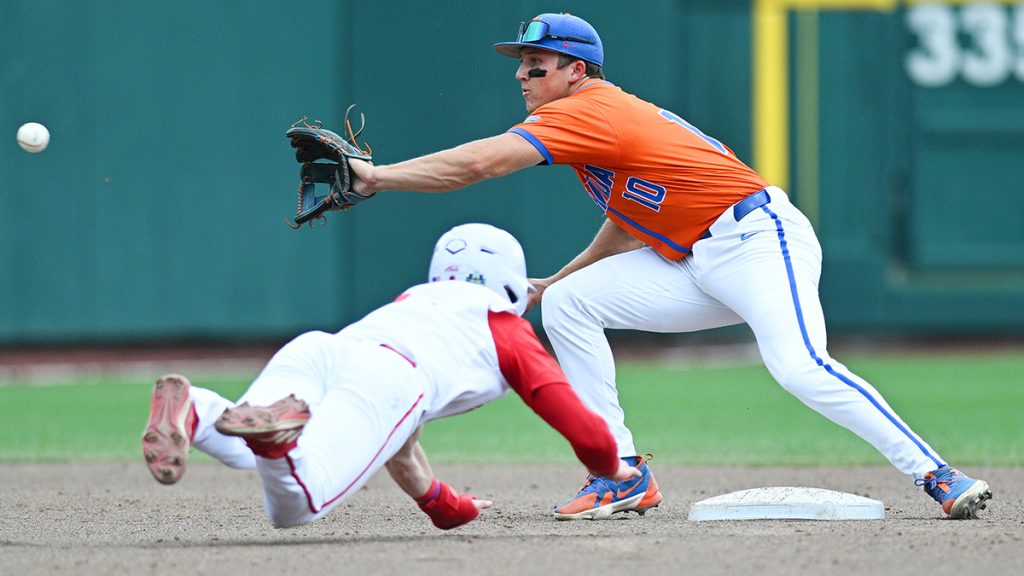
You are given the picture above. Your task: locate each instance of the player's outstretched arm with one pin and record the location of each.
(538, 380)
(447, 509)
(558, 405)
(450, 169)
(409, 467)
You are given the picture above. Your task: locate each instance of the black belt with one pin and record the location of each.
(746, 206)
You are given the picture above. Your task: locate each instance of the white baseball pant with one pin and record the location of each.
(762, 270)
(365, 402)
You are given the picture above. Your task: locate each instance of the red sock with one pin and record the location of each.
(194, 416)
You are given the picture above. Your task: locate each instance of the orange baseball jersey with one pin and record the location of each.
(650, 171)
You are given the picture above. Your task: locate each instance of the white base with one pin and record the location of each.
(787, 504)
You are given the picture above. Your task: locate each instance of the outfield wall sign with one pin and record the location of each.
(981, 43)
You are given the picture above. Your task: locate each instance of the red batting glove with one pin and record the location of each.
(447, 509)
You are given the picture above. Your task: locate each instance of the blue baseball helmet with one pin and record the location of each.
(561, 33)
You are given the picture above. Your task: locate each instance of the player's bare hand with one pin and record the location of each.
(482, 504)
(625, 472)
(363, 182)
(539, 285)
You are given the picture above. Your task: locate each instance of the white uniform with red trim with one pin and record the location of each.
(431, 353)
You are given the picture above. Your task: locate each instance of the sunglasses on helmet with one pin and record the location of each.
(535, 30)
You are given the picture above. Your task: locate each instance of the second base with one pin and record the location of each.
(787, 503)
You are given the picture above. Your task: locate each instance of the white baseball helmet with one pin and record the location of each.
(483, 254)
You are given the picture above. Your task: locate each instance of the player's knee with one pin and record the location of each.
(290, 518)
(798, 378)
(288, 512)
(558, 306)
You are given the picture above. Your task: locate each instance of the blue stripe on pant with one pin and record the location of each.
(814, 355)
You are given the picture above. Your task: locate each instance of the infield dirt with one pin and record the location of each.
(113, 518)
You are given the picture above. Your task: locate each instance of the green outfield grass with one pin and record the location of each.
(969, 408)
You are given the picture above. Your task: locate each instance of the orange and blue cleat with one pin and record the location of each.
(601, 497)
(960, 496)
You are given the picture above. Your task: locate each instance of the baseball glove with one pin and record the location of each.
(325, 180)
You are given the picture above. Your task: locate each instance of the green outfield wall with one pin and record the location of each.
(158, 211)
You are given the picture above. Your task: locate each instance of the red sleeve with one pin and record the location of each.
(521, 357)
(538, 380)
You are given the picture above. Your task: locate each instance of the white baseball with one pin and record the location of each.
(33, 137)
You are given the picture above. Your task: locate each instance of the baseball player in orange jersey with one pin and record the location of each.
(329, 410)
(693, 239)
